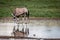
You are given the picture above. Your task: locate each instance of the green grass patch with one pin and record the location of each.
(37, 8)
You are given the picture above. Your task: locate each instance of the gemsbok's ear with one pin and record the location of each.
(12, 15)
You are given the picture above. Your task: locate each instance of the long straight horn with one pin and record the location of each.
(12, 15)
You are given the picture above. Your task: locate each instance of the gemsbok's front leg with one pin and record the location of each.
(18, 21)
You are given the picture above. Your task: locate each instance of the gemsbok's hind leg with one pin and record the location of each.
(24, 21)
(27, 21)
(18, 23)
(27, 18)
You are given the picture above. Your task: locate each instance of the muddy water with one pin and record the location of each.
(39, 28)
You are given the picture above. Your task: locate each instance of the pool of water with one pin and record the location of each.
(41, 28)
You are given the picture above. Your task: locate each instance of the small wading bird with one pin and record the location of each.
(23, 13)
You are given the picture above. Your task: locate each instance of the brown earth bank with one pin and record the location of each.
(31, 18)
(10, 19)
(27, 38)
